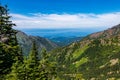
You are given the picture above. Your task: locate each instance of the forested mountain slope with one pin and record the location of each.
(96, 57)
(26, 42)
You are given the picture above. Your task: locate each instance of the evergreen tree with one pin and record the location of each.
(7, 34)
(17, 70)
(47, 68)
(31, 64)
(8, 43)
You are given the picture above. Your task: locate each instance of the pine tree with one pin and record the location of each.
(7, 34)
(17, 70)
(47, 68)
(8, 43)
(31, 64)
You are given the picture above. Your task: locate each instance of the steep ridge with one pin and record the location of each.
(96, 57)
(26, 41)
(111, 32)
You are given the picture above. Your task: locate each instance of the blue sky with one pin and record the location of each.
(63, 6)
(64, 13)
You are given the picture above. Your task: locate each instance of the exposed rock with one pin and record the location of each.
(114, 61)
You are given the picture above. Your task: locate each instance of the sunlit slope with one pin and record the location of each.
(96, 56)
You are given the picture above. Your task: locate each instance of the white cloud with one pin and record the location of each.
(66, 20)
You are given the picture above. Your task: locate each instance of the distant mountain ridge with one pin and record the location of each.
(61, 37)
(64, 41)
(25, 41)
(106, 33)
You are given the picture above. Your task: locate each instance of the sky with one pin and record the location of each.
(100, 14)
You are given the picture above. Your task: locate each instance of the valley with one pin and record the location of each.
(60, 40)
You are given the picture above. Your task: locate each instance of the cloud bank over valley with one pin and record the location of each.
(80, 20)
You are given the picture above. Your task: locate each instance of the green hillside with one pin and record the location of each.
(96, 57)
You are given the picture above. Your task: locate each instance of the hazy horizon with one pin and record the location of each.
(48, 33)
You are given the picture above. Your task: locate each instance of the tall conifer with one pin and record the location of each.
(9, 49)
(32, 64)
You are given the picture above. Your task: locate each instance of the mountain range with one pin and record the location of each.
(95, 57)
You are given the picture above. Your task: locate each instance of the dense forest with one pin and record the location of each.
(95, 57)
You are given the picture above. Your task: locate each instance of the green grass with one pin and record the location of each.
(79, 52)
(82, 61)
